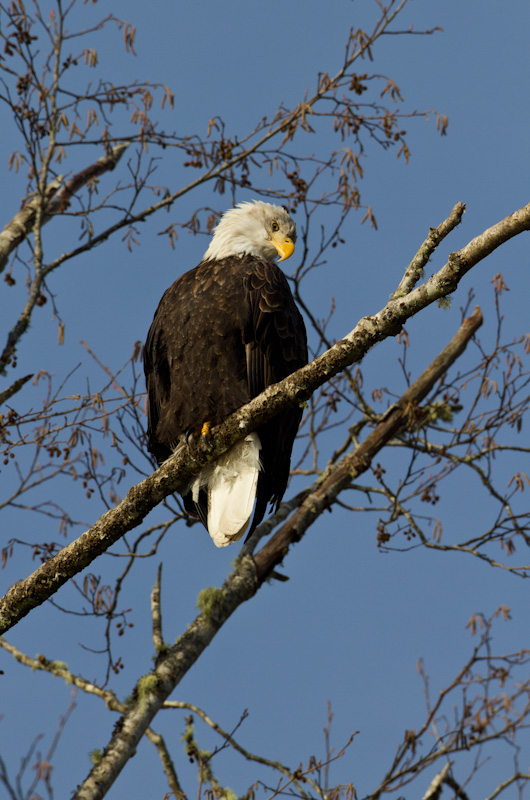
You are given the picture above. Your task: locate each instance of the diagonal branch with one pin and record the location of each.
(57, 198)
(15, 387)
(36, 213)
(414, 271)
(20, 227)
(153, 690)
(297, 388)
(359, 459)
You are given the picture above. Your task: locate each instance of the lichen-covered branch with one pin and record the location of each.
(414, 271)
(141, 499)
(60, 670)
(358, 460)
(56, 199)
(153, 689)
(15, 387)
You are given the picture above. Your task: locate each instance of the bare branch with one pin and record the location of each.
(56, 199)
(156, 612)
(15, 387)
(435, 788)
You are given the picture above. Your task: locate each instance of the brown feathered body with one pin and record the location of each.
(222, 333)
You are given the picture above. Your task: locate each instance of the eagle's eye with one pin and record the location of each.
(275, 227)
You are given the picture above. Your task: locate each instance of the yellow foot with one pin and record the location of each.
(206, 430)
(193, 435)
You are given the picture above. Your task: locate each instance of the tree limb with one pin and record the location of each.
(435, 788)
(359, 459)
(57, 198)
(178, 470)
(152, 690)
(15, 387)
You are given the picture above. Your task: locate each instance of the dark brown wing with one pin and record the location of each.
(276, 346)
(194, 356)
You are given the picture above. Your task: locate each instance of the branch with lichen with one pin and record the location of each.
(292, 775)
(414, 271)
(60, 670)
(217, 605)
(30, 219)
(177, 471)
(57, 197)
(152, 690)
(359, 459)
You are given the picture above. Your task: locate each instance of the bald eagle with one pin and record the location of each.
(221, 334)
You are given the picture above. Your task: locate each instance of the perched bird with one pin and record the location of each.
(222, 333)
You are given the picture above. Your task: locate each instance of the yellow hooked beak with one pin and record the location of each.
(283, 244)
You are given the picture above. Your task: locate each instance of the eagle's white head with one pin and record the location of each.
(256, 229)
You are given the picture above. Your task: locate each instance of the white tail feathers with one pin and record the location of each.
(231, 483)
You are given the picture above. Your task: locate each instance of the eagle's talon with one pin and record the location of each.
(194, 435)
(206, 431)
(206, 435)
(189, 436)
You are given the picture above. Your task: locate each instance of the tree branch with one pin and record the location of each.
(36, 213)
(178, 470)
(414, 271)
(60, 670)
(152, 690)
(156, 612)
(359, 459)
(15, 387)
(435, 788)
(57, 198)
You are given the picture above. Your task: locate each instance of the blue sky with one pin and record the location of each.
(350, 623)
